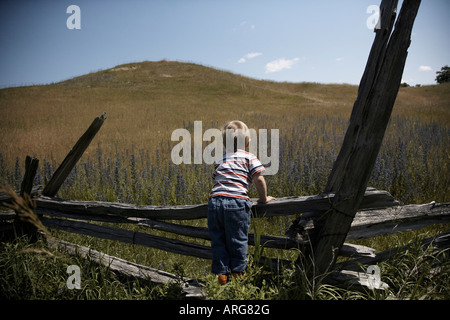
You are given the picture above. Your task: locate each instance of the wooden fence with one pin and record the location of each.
(379, 214)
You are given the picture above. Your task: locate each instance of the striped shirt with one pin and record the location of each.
(234, 174)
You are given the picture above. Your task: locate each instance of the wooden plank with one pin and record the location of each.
(319, 203)
(31, 166)
(266, 241)
(87, 217)
(100, 208)
(72, 157)
(191, 288)
(177, 246)
(24, 224)
(7, 215)
(370, 116)
(144, 239)
(203, 233)
(282, 206)
(128, 236)
(440, 241)
(372, 223)
(36, 191)
(356, 250)
(354, 280)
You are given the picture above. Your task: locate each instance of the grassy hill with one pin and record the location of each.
(146, 101)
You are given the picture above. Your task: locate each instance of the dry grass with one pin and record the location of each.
(146, 101)
(24, 206)
(144, 105)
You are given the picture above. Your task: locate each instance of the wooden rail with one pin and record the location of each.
(53, 210)
(281, 207)
(191, 288)
(72, 216)
(380, 214)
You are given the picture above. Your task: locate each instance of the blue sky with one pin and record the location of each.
(325, 41)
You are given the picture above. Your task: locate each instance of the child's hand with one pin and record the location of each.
(268, 199)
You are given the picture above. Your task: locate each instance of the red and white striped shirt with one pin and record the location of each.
(234, 174)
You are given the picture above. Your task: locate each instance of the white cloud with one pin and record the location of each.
(244, 26)
(339, 59)
(250, 55)
(425, 68)
(280, 64)
(253, 55)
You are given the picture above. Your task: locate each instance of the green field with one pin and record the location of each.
(129, 159)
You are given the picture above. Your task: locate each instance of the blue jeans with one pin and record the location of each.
(228, 224)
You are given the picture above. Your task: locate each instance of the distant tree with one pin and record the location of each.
(443, 75)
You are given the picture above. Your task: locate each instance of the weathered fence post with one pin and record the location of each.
(371, 112)
(72, 157)
(31, 166)
(21, 227)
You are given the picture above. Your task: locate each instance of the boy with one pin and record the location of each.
(229, 205)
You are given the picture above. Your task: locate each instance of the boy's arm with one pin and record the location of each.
(260, 184)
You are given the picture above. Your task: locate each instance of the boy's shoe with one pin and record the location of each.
(222, 279)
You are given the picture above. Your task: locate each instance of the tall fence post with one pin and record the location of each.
(72, 157)
(31, 166)
(23, 227)
(370, 116)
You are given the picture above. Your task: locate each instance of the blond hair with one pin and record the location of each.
(238, 132)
